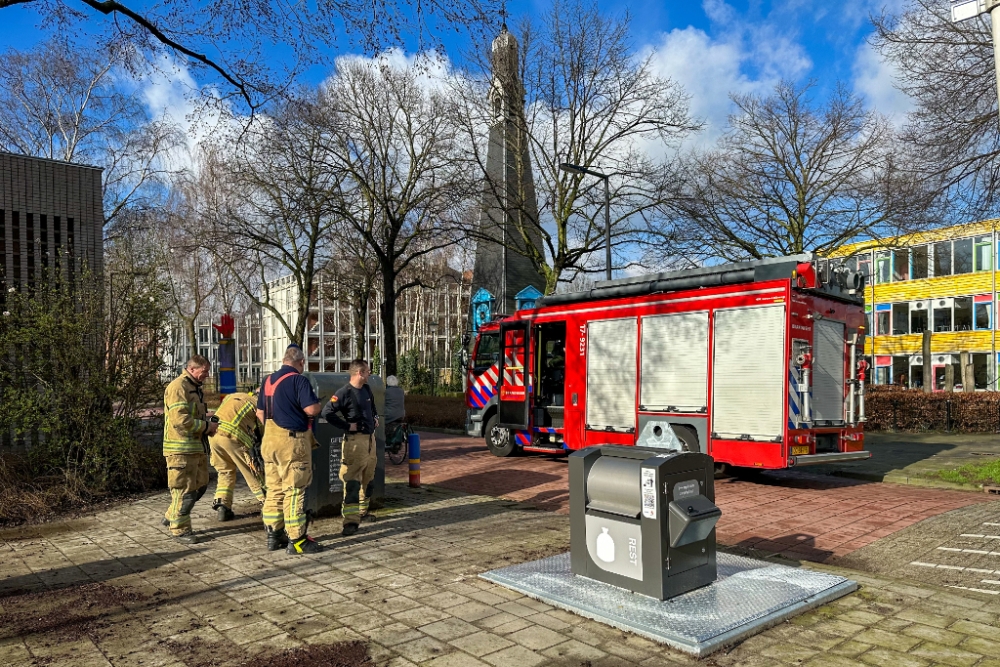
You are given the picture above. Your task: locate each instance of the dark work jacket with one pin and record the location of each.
(352, 406)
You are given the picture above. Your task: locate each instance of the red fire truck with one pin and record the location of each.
(759, 364)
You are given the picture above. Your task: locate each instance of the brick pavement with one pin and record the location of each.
(407, 586)
(794, 513)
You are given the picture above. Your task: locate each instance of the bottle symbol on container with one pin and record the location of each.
(605, 547)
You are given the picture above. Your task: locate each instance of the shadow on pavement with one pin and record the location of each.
(88, 573)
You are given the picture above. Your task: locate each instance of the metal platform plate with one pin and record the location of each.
(749, 596)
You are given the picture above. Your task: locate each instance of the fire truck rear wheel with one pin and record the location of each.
(499, 440)
(688, 438)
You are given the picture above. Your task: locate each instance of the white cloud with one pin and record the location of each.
(747, 57)
(874, 80)
(171, 94)
(434, 69)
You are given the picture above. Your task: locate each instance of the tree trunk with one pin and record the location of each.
(389, 320)
(192, 332)
(968, 372)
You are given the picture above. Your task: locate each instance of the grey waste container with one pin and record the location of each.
(326, 493)
(643, 520)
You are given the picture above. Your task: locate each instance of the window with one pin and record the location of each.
(942, 258)
(882, 323)
(487, 352)
(962, 256)
(963, 313)
(883, 267)
(900, 265)
(865, 266)
(980, 370)
(984, 312)
(868, 319)
(918, 317)
(202, 335)
(942, 315)
(983, 253)
(918, 262)
(900, 318)
(882, 374)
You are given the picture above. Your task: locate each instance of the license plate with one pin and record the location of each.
(799, 450)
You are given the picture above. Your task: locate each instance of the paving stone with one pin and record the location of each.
(850, 648)
(932, 634)
(536, 637)
(455, 660)
(448, 629)
(982, 646)
(481, 643)
(925, 617)
(827, 660)
(977, 629)
(890, 640)
(423, 649)
(882, 657)
(515, 656)
(788, 652)
(574, 650)
(941, 654)
(471, 611)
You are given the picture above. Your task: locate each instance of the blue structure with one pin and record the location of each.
(483, 303)
(526, 298)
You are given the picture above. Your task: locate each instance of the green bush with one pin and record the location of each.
(76, 375)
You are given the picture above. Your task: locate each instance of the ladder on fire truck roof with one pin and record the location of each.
(772, 268)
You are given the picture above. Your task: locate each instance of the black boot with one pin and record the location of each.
(305, 545)
(222, 512)
(276, 539)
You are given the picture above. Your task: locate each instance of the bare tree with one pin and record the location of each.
(790, 175)
(233, 39)
(402, 177)
(591, 101)
(947, 69)
(276, 211)
(62, 105)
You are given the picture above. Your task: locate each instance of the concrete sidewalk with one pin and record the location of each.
(114, 589)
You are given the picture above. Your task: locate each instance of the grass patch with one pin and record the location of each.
(973, 473)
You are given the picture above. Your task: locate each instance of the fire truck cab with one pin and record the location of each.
(758, 364)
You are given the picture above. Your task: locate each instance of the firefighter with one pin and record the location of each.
(286, 405)
(352, 409)
(233, 450)
(185, 445)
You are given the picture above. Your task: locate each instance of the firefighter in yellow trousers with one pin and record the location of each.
(352, 409)
(285, 405)
(232, 452)
(185, 446)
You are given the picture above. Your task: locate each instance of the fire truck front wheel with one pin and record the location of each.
(498, 439)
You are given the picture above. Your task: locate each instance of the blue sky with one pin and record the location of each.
(712, 47)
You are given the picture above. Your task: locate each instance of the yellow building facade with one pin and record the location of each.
(944, 281)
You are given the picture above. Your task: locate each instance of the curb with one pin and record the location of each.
(895, 478)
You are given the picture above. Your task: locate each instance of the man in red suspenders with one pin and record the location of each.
(285, 405)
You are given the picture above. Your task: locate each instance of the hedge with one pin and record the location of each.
(890, 408)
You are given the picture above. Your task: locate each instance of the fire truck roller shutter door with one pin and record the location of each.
(828, 371)
(611, 374)
(675, 362)
(748, 372)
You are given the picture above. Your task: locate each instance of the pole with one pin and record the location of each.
(413, 443)
(607, 209)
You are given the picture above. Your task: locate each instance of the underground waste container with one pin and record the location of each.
(643, 520)
(326, 493)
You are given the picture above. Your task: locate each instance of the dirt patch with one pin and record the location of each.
(344, 654)
(200, 653)
(66, 614)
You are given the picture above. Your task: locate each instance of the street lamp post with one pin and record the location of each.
(576, 169)
(434, 371)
